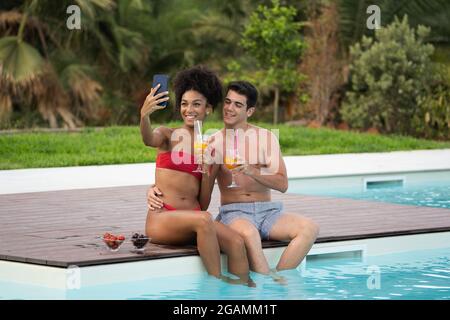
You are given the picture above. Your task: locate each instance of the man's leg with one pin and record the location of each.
(252, 239)
(302, 233)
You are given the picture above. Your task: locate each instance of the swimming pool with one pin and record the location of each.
(413, 275)
(431, 189)
(331, 271)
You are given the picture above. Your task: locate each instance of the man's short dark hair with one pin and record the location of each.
(200, 79)
(246, 89)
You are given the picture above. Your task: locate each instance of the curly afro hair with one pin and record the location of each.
(201, 79)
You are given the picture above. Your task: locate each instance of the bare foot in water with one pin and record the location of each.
(251, 283)
(277, 278)
(248, 281)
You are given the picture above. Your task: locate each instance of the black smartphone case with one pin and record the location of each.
(163, 80)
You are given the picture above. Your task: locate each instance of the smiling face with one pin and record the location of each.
(235, 110)
(193, 106)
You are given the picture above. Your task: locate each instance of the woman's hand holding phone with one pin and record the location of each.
(152, 101)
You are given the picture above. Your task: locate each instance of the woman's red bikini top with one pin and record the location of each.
(184, 162)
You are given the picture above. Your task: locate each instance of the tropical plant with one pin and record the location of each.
(101, 73)
(391, 79)
(272, 38)
(433, 119)
(34, 70)
(326, 86)
(218, 31)
(431, 13)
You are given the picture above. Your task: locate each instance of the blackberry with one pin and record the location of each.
(140, 242)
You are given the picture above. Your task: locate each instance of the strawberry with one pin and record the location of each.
(120, 237)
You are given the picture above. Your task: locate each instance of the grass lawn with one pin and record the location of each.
(114, 145)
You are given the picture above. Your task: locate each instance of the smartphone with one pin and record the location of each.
(163, 80)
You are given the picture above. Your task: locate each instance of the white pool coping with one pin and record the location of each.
(315, 166)
(75, 278)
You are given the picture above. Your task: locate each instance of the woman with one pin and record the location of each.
(181, 220)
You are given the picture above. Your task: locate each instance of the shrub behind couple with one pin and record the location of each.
(178, 201)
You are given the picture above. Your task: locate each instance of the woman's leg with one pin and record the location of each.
(252, 240)
(180, 227)
(232, 244)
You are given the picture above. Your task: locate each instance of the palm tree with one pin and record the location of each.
(218, 30)
(102, 69)
(27, 73)
(61, 72)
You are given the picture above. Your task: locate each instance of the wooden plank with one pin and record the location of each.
(59, 228)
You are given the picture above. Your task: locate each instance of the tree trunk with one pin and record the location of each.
(5, 109)
(275, 105)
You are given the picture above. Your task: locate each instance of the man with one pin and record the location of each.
(248, 209)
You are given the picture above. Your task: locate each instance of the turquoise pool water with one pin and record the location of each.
(424, 192)
(411, 275)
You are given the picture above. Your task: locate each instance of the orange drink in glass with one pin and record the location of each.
(231, 161)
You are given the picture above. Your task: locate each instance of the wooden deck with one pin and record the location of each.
(60, 228)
